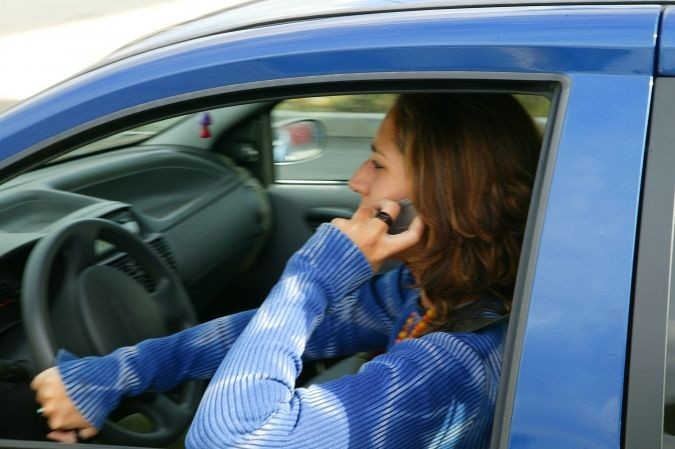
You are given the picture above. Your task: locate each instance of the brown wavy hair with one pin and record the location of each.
(472, 160)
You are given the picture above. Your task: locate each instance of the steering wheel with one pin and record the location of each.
(95, 309)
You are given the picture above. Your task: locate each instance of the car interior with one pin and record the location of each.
(165, 220)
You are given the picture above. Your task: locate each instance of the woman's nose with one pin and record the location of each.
(358, 182)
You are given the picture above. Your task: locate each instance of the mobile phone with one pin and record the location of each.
(405, 217)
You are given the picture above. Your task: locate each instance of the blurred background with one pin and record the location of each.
(43, 42)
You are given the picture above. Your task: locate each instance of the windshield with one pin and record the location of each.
(125, 138)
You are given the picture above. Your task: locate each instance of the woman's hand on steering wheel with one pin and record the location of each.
(66, 422)
(368, 229)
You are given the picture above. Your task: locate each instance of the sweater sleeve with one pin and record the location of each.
(97, 384)
(364, 319)
(417, 389)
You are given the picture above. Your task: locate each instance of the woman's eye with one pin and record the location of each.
(377, 165)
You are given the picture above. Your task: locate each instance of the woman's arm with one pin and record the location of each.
(96, 384)
(363, 320)
(252, 400)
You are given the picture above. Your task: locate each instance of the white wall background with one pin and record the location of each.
(43, 42)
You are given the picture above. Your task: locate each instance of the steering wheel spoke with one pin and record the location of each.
(172, 310)
(163, 411)
(163, 415)
(79, 253)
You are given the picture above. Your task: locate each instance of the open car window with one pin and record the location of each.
(170, 183)
(326, 138)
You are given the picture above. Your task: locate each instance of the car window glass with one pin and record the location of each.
(125, 138)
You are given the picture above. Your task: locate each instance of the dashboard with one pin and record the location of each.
(200, 213)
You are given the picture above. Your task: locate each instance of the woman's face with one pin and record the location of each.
(383, 174)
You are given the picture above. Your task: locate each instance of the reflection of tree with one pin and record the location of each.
(341, 103)
(669, 419)
(536, 105)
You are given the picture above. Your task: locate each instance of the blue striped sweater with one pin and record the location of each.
(435, 391)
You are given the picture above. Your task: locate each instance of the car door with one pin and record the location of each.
(580, 246)
(563, 380)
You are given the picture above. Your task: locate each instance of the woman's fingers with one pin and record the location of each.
(368, 229)
(387, 207)
(416, 228)
(363, 213)
(63, 436)
(72, 436)
(60, 412)
(87, 433)
(406, 239)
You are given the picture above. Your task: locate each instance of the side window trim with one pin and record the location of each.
(501, 431)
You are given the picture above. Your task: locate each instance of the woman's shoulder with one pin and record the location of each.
(469, 347)
(484, 337)
(443, 360)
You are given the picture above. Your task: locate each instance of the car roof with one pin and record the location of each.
(258, 13)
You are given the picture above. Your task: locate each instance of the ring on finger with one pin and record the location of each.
(382, 215)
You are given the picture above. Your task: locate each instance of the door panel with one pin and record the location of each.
(297, 209)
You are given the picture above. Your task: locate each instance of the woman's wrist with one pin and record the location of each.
(94, 384)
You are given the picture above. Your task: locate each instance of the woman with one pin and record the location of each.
(468, 162)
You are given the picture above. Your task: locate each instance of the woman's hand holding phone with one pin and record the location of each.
(406, 215)
(373, 236)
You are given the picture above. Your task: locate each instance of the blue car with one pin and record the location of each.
(196, 161)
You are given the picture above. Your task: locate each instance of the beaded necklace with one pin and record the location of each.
(413, 328)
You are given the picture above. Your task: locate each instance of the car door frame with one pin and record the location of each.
(475, 44)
